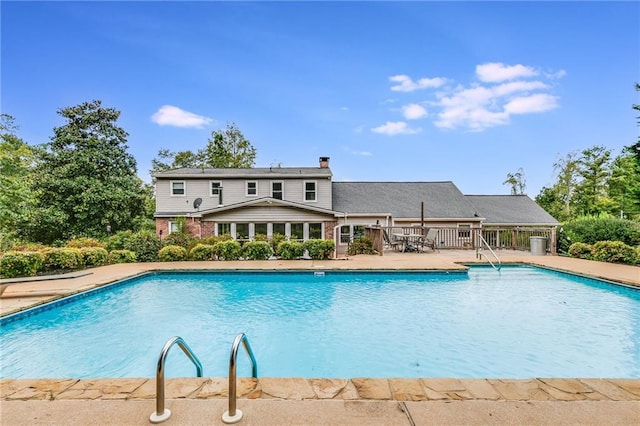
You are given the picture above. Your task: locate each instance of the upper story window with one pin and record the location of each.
(178, 187)
(216, 191)
(252, 188)
(277, 190)
(310, 191)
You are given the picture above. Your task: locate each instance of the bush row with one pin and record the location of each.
(251, 250)
(606, 251)
(25, 263)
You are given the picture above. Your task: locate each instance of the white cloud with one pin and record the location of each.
(395, 128)
(169, 115)
(354, 152)
(540, 102)
(414, 111)
(406, 84)
(497, 71)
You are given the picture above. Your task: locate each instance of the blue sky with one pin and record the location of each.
(391, 91)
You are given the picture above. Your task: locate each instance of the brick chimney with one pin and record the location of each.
(324, 162)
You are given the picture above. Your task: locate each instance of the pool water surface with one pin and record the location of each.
(520, 322)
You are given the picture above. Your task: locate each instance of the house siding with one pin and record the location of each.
(234, 191)
(262, 214)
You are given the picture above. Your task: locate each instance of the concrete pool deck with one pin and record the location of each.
(296, 401)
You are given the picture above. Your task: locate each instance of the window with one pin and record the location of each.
(174, 227)
(310, 191)
(297, 231)
(277, 190)
(242, 231)
(224, 229)
(252, 188)
(278, 228)
(315, 231)
(345, 234)
(177, 188)
(216, 191)
(260, 229)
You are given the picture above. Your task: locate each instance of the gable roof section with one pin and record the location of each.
(511, 210)
(251, 173)
(442, 200)
(266, 201)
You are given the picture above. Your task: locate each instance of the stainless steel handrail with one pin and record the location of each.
(234, 415)
(479, 246)
(161, 414)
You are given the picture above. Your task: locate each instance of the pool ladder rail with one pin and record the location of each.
(482, 244)
(233, 415)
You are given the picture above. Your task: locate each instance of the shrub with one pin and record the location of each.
(84, 242)
(290, 250)
(613, 252)
(215, 239)
(179, 239)
(61, 258)
(257, 250)
(202, 252)
(145, 244)
(118, 241)
(94, 256)
(121, 256)
(275, 241)
(29, 247)
(260, 237)
(590, 230)
(319, 249)
(172, 254)
(227, 250)
(20, 264)
(363, 245)
(580, 250)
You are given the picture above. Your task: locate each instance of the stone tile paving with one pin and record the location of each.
(325, 389)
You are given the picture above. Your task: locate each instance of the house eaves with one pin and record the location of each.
(246, 173)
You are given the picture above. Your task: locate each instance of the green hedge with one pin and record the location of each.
(290, 250)
(145, 244)
(590, 230)
(62, 258)
(94, 256)
(172, 254)
(257, 250)
(20, 264)
(179, 239)
(319, 249)
(202, 252)
(363, 245)
(613, 252)
(84, 242)
(228, 250)
(580, 250)
(122, 256)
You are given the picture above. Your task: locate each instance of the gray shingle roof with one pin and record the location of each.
(402, 199)
(254, 172)
(511, 209)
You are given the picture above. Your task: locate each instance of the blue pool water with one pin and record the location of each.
(520, 322)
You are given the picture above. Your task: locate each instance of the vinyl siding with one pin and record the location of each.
(234, 191)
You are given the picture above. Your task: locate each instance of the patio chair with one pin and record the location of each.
(429, 240)
(391, 241)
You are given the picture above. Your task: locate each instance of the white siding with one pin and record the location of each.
(234, 191)
(267, 214)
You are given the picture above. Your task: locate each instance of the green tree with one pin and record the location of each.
(86, 179)
(16, 163)
(227, 148)
(516, 181)
(594, 168)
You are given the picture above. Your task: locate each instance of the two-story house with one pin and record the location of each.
(303, 203)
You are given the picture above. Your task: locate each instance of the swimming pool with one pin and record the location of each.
(520, 322)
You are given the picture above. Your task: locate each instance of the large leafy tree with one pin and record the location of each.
(16, 163)
(227, 148)
(86, 179)
(594, 168)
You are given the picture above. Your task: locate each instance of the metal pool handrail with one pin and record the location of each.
(482, 243)
(161, 414)
(234, 415)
